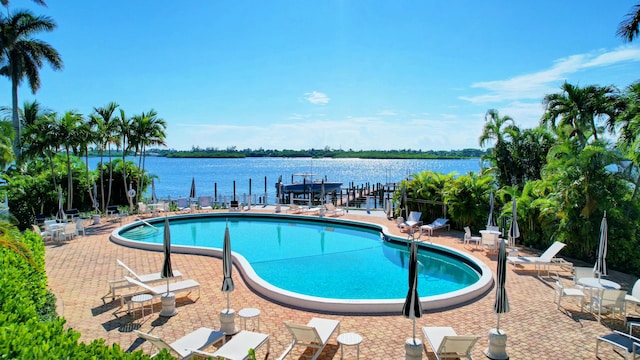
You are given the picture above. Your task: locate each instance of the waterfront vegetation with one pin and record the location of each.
(564, 174)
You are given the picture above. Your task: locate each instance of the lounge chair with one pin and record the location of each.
(446, 344)
(542, 261)
(629, 344)
(295, 209)
(315, 334)
(182, 204)
(234, 205)
(147, 278)
(238, 347)
(468, 238)
(331, 209)
(158, 290)
(204, 202)
(183, 347)
(438, 223)
(412, 222)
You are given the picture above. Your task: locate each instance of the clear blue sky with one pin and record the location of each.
(303, 74)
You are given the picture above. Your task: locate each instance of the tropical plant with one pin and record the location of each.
(22, 56)
(628, 29)
(41, 141)
(467, 198)
(70, 136)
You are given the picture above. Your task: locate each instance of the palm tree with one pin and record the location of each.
(628, 121)
(124, 135)
(22, 55)
(6, 2)
(147, 130)
(69, 133)
(494, 127)
(628, 28)
(106, 129)
(42, 141)
(581, 110)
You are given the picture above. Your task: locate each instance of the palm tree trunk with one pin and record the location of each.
(110, 175)
(15, 116)
(69, 181)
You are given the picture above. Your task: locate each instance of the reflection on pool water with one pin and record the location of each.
(334, 260)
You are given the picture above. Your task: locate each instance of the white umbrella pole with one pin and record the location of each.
(414, 328)
(228, 301)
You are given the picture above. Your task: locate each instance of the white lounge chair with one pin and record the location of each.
(413, 221)
(182, 204)
(147, 278)
(204, 202)
(438, 223)
(174, 287)
(446, 344)
(44, 234)
(183, 347)
(542, 261)
(238, 347)
(629, 344)
(315, 334)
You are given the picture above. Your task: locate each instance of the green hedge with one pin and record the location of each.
(29, 326)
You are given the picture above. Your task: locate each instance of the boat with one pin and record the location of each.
(304, 183)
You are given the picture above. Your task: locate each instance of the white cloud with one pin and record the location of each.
(386, 113)
(535, 85)
(316, 97)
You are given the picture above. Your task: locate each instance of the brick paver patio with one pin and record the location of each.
(79, 270)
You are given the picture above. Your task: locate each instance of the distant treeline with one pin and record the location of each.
(322, 153)
(197, 152)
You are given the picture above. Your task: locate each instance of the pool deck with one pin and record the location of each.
(79, 271)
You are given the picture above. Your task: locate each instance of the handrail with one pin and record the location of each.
(146, 223)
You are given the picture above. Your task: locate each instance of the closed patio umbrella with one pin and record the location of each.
(154, 198)
(96, 204)
(514, 231)
(601, 261)
(227, 265)
(167, 271)
(168, 299)
(192, 193)
(412, 307)
(501, 305)
(60, 215)
(490, 220)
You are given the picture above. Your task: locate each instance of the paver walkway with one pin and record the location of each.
(78, 272)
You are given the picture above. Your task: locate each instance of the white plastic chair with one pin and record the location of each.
(469, 238)
(561, 292)
(610, 300)
(183, 347)
(634, 297)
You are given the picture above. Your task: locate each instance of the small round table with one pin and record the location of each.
(250, 313)
(349, 339)
(142, 299)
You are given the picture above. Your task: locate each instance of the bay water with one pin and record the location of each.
(217, 176)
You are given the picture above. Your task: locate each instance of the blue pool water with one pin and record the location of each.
(328, 260)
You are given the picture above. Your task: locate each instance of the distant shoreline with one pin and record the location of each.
(313, 153)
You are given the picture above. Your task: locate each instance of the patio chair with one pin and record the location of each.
(609, 300)
(413, 221)
(69, 231)
(315, 334)
(234, 205)
(634, 297)
(468, 238)
(446, 344)
(581, 272)
(438, 223)
(44, 234)
(625, 342)
(238, 347)
(544, 260)
(183, 347)
(561, 292)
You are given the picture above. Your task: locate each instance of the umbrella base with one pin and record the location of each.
(168, 305)
(497, 349)
(413, 349)
(228, 321)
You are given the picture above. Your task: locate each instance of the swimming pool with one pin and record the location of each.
(321, 264)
